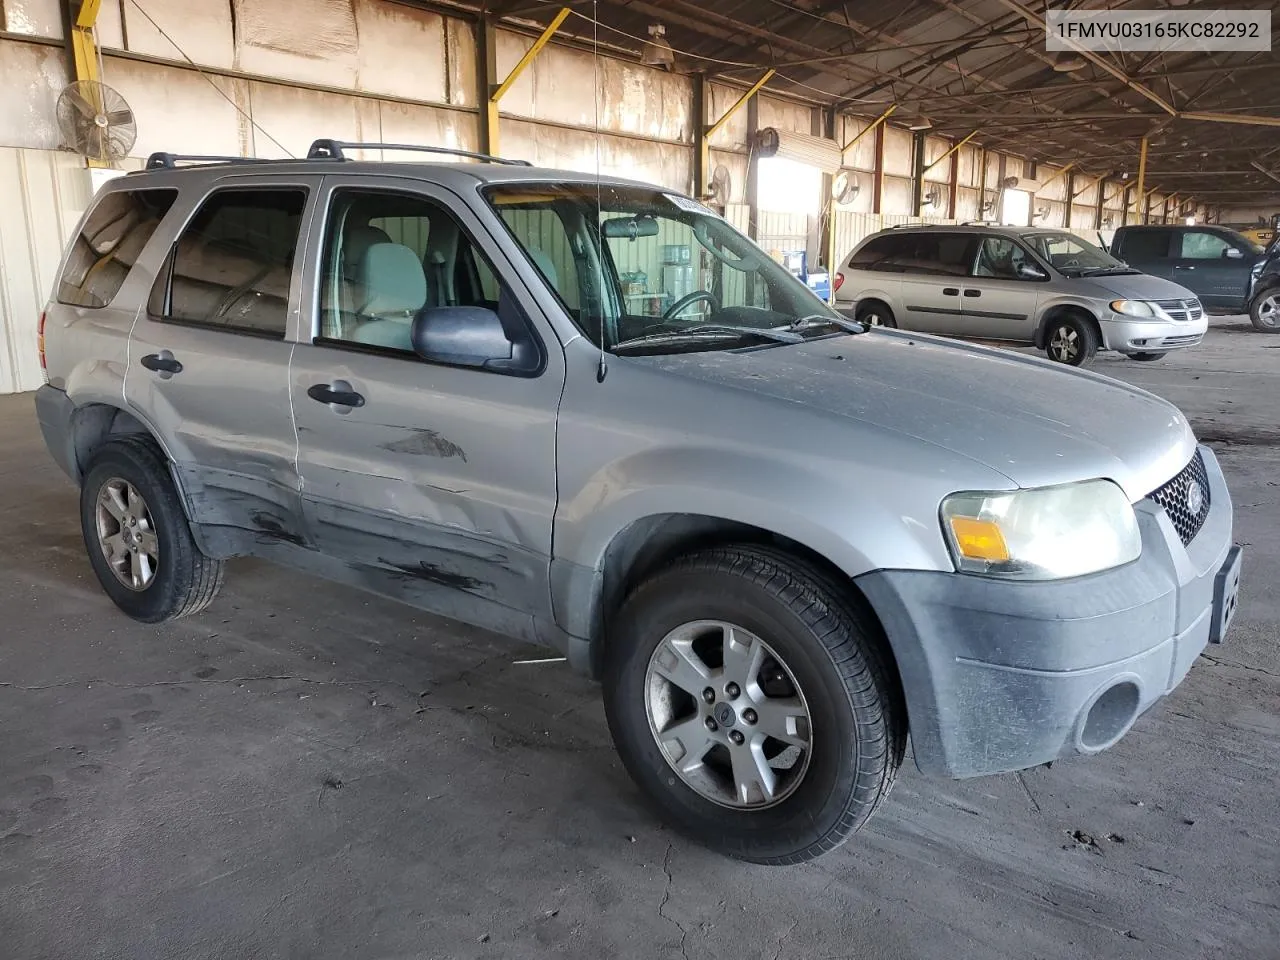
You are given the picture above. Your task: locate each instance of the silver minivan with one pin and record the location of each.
(588, 413)
(1020, 285)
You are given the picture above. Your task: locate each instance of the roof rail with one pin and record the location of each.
(167, 161)
(914, 223)
(333, 150)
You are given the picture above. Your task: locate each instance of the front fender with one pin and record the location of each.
(1054, 305)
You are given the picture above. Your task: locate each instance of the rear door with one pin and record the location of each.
(999, 302)
(438, 485)
(1148, 250)
(209, 358)
(934, 268)
(1213, 266)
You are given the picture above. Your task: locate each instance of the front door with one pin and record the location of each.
(209, 359)
(999, 301)
(437, 484)
(1212, 267)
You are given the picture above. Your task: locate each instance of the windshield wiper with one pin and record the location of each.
(826, 320)
(709, 331)
(1115, 268)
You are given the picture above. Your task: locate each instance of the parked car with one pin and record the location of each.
(1216, 263)
(780, 540)
(1016, 284)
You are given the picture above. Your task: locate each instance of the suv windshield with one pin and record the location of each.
(1072, 256)
(640, 270)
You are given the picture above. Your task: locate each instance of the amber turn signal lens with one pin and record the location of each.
(979, 539)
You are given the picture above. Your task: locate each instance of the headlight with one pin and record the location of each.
(1134, 308)
(1045, 534)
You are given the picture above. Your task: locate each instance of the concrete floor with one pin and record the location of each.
(304, 771)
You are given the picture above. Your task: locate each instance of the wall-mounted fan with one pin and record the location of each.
(988, 205)
(721, 187)
(1041, 213)
(845, 187)
(96, 121)
(933, 198)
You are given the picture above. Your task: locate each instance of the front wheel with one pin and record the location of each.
(138, 537)
(1264, 311)
(1071, 340)
(753, 704)
(1146, 356)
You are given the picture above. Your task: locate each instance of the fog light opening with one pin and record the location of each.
(1110, 716)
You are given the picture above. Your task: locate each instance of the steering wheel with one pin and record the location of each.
(688, 300)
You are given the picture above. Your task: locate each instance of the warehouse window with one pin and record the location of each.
(232, 266)
(109, 243)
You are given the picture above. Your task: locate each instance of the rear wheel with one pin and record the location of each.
(875, 314)
(1264, 311)
(753, 704)
(138, 538)
(1071, 340)
(1146, 356)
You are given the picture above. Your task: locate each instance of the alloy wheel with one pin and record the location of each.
(1064, 345)
(1268, 311)
(728, 715)
(127, 534)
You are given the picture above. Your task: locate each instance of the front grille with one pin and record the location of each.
(1178, 497)
(1182, 310)
(1182, 340)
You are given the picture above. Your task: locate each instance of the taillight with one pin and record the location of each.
(839, 280)
(40, 341)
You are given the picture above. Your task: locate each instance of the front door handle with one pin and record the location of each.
(973, 293)
(162, 363)
(951, 291)
(1179, 266)
(338, 394)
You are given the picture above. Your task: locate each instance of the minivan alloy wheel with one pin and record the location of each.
(728, 715)
(1064, 344)
(127, 534)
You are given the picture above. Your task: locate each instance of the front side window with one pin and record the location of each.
(643, 271)
(1204, 245)
(232, 266)
(109, 243)
(1070, 255)
(387, 256)
(1001, 257)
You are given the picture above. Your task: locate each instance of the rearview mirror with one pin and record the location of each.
(629, 228)
(471, 337)
(1029, 271)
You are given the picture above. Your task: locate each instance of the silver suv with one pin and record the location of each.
(1017, 284)
(588, 413)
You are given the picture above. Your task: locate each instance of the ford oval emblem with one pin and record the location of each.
(1195, 498)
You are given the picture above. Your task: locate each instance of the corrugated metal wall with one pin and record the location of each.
(42, 194)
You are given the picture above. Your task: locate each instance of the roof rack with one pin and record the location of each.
(167, 161)
(981, 223)
(914, 223)
(333, 150)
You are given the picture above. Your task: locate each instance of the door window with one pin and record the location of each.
(941, 254)
(1143, 246)
(232, 266)
(1000, 257)
(109, 243)
(1201, 245)
(541, 232)
(387, 256)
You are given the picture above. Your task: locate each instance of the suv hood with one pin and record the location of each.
(1035, 422)
(1140, 286)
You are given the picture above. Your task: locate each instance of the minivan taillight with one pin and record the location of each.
(40, 340)
(839, 280)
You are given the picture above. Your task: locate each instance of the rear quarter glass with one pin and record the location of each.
(108, 244)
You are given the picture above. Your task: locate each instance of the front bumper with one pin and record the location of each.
(1003, 675)
(1128, 335)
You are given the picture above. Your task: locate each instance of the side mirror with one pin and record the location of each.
(1029, 271)
(1233, 253)
(472, 337)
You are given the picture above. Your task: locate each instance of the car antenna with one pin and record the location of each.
(602, 366)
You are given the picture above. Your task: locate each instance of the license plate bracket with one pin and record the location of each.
(1226, 595)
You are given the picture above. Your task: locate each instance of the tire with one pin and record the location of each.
(1264, 311)
(827, 647)
(158, 573)
(875, 314)
(1070, 340)
(1146, 356)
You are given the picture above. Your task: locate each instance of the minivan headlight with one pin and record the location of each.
(1048, 533)
(1134, 308)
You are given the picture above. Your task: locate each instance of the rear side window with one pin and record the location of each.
(232, 265)
(1143, 245)
(882, 253)
(108, 245)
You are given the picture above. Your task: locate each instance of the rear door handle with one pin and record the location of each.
(951, 291)
(162, 363)
(973, 293)
(338, 394)
(1180, 266)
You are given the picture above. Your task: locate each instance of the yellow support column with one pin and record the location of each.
(1142, 176)
(84, 51)
(497, 93)
(704, 139)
